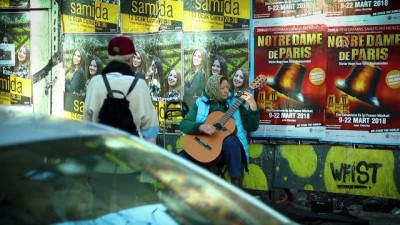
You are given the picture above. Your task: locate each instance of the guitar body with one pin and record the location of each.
(207, 148)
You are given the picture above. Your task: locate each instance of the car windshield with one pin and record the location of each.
(109, 179)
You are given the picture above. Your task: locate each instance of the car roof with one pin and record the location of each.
(23, 127)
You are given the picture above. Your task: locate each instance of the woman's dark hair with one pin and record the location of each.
(223, 64)
(160, 74)
(99, 64)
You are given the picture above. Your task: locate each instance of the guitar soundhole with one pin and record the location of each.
(219, 127)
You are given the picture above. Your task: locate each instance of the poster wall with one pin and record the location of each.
(359, 79)
(307, 49)
(173, 78)
(15, 79)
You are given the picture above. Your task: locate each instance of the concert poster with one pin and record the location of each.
(292, 103)
(88, 46)
(216, 15)
(81, 16)
(363, 104)
(14, 4)
(15, 77)
(263, 9)
(151, 15)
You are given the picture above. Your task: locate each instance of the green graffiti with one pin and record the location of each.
(255, 150)
(179, 144)
(302, 159)
(308, 187)
(360, 172)
(255, 179)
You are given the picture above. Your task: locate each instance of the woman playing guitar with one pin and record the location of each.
(216, 133)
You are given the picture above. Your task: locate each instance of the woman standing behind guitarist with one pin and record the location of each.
(234, 150)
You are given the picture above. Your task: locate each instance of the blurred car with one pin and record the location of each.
(59, 171)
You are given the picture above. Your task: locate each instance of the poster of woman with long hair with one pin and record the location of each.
(16, 82)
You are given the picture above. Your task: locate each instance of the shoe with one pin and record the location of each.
(237, 181)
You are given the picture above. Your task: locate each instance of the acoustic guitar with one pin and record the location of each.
(207, 148)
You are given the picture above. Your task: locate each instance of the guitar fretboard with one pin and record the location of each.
(232, 109)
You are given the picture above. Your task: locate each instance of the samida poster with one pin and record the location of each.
(293, 100)
(363, 103)
(151, 15)
(15, 77)
(81, 16)
(216, 15)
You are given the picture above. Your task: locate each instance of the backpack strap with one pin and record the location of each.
(110, 92)
(106, 82)
(132, 85)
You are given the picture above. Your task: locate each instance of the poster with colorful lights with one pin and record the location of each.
(363, 104)
(293, 101)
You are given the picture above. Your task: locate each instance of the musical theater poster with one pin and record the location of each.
(15, 77)
(333, 8)
(151, 15)
(82, 16)
(216, 15)
(81, 50)
(14, 4)
(283, 8)
(293, 100)
(363, 104)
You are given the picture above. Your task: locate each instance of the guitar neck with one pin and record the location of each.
(228, 114)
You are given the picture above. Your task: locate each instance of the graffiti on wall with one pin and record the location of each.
(338, 169)
(334, 169)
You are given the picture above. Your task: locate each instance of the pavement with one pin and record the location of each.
(316, 208)
(378, 218)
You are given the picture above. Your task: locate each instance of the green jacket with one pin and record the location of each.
(250, 118)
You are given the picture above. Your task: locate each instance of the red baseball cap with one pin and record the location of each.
(121, 45)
